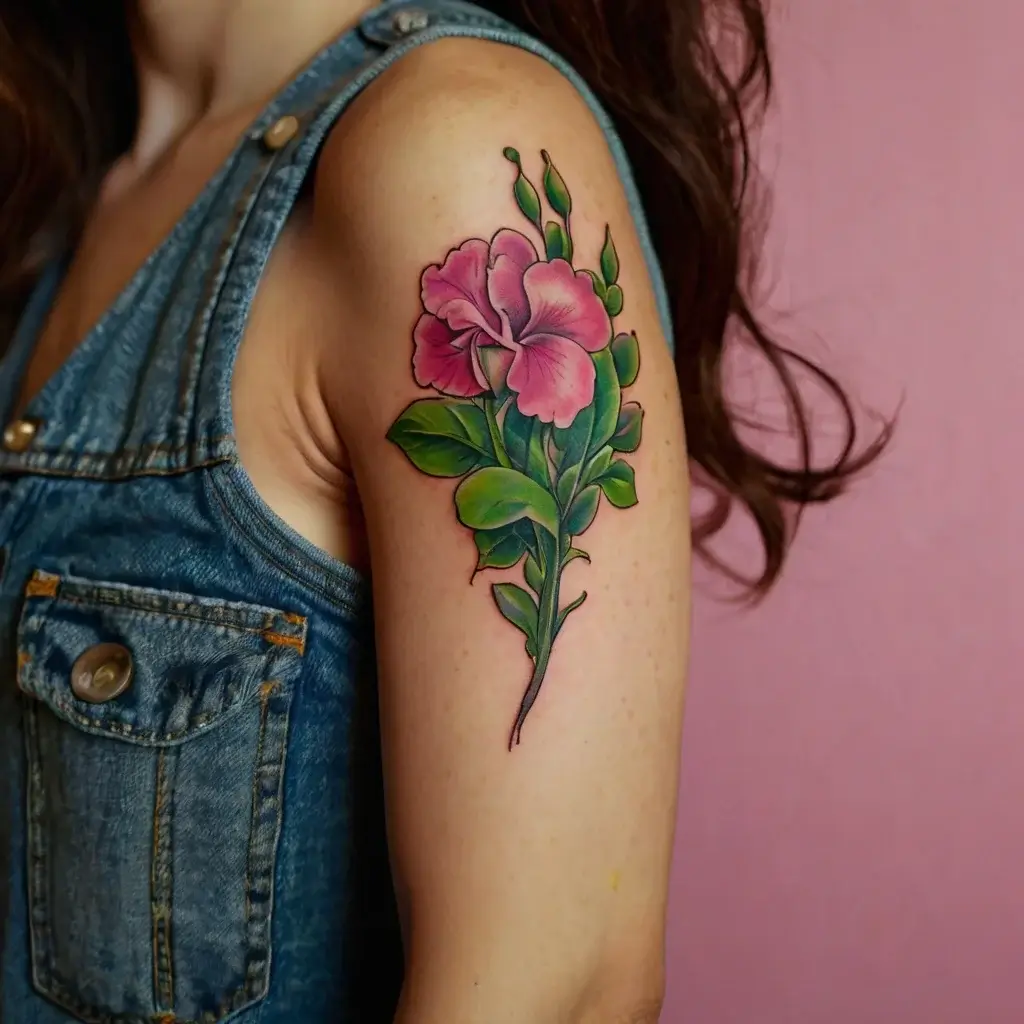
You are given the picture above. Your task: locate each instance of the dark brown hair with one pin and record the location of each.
(685, 82)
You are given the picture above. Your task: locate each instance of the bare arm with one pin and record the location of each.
(513, 420)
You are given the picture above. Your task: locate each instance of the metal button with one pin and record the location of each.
(102, 673)
(281, 132)
(409, 20)
(19, 435)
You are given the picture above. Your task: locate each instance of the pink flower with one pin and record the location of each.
(545, 316)
(457, 320)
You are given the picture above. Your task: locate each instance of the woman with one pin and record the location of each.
(312, 290)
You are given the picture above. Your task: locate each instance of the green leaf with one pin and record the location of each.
(520, 609)
(544, 549)
(600, 288)
(537, 539)
(613, 300)
(574, 439)
(555, 454)
(596, 466)
(572, 554)
(609, 259)
(618, 483)
(443, 436)
(556, 242)
(499, 549)
(584, 508)
(516, 431)
(626, 353)
(524, 442)
(593, 425)
(496, 496)
(526, 195)
(536, 457)
(554, 188)
(490, 406)
(567, 484)
(565, 612)
(629, 428)
(607, 398)
(533, 575)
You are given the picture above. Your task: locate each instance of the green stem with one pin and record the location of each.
(547, 619)
(545, 443)
(492, 426)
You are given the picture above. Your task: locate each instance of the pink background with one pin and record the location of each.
(851, 832)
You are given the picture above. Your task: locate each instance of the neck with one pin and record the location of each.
(206, 60)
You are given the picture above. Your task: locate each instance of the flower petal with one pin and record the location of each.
(563, 302)
(457, 290)
(444, 359)
(511, 254)
(554, 378)
(505, 287)
(514, 245)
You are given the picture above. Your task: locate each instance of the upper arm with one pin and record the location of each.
(528, 871)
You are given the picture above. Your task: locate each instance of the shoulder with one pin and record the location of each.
(426, 138)
(450, 91)
(432, 155)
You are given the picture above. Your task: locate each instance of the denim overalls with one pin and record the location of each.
(191, 803)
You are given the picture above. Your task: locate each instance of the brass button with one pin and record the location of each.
(19, 435)
(281, 132)
(102, 673)
(409, 20)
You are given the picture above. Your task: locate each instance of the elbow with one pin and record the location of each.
(646, 1011)
(616, 995)
(621, 994)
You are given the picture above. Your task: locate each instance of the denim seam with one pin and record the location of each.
(43, 466)
(39, 922)
(164, 447)
(218, 275)
(269, 635)
(273, 629)
(38, 620)
(162, 882)
(270, 762)
(153, 598)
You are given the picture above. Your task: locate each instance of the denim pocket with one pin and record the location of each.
(156, 731)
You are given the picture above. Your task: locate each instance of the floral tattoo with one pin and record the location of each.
(529, 372)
